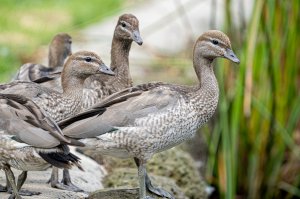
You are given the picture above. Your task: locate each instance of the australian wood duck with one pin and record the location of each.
(59, 50)
(57, 105)
(78, 67)
(31, 140)
(100, 86)
(141, 121)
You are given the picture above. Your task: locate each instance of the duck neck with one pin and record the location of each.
(72, 86)
(55, 58)
(120, 59)
(208, 84)
(205, 73)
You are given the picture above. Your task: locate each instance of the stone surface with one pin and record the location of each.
(89, 180)
(173, 170)
(125, 193)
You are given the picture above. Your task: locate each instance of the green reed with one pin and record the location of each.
(253, 146)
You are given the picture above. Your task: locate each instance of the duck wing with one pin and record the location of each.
(121, 110)
(22, 118)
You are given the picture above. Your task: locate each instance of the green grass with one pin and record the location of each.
(26, 25)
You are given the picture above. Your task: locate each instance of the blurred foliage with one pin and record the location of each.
(25, 25)
(254, 147)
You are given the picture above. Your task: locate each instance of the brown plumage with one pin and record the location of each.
(78, 67)
(141, 121)
(59, 50)
(31, 140)
(58, 106)
(100, 86)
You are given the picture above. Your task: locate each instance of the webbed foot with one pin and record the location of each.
(67, 181)
(24, 192)
(157, 191)
(62, 186)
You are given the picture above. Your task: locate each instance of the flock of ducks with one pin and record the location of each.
(82, 102)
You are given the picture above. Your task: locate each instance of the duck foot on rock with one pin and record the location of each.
(67, 181)
(157, 191)
(24, 192)
(65, 184)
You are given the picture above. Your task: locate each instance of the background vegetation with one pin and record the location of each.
(37, 21)
(254, 148)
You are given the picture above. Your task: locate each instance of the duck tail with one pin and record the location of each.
(61, 159)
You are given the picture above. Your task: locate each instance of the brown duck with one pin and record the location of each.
(31, 141)
(143, 120)
(58, 106)
(100, 86)
(59, 50)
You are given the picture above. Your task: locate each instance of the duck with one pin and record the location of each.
(31, 141)
(141, 121)
(59, 49)
(58, 106)
(100, 86)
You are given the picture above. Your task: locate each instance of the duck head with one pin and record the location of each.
(83, 64)
(128, 28)
(59, 49)
(213, 44)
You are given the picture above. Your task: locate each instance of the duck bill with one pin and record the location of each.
(137, 37)
(106, 70)
(231, 56)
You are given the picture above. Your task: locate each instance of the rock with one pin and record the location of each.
(176, 166)
(180, 166)
(127, 177)
(126, 193)
(89, 180)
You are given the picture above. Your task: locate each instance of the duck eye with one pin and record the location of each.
(215, 42)
(123, 24)
(88, 59)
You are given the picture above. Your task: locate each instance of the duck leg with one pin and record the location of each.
(142, 179)
(21, 179)
(66, 183)
(11, 178)
(152, 189)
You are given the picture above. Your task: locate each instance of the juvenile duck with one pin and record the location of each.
(58, 106)
(31, 141)
(147, 119)
(59, 50)
(100, 86)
